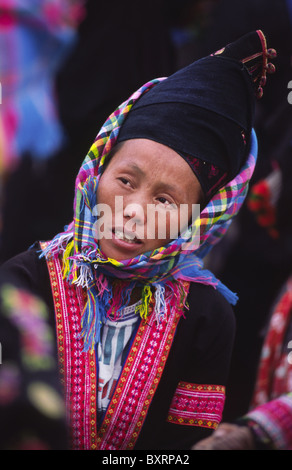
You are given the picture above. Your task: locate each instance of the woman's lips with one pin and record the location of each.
(129, 237)
(125, 240)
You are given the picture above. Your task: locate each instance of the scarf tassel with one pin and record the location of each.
(160, 303)
(146, 299)
(91, 320)
(230, 296)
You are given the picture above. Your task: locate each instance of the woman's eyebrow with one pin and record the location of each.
(171, 188)
(163, 185)
(133, 167)
(136, 168)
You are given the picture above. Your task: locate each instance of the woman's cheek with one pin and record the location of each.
(162, 224)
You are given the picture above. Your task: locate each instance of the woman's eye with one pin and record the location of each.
(167, 203)
(124, 180)
(163, 200)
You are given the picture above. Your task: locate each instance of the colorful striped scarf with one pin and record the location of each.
(161, 273)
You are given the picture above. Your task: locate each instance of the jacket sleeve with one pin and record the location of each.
(191, 394)
(28, 271)
(272, 423)
(29, 368)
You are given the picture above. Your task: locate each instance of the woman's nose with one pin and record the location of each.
(136, 212)
(135, 208)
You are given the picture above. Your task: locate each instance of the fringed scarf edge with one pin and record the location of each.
(107, 299)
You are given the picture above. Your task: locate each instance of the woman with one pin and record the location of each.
(144, 333)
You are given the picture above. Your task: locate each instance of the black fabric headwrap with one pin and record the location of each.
(206, 110)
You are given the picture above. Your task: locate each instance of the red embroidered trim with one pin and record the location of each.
(137, 384)
(275, 371)
(274, 418)
(77, 369)
(197, 405)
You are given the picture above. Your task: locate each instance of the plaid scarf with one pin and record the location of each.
(161, 273)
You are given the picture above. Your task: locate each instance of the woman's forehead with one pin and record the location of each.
(140, 153)
(157, 164)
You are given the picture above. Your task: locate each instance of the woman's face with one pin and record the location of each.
(145, 198)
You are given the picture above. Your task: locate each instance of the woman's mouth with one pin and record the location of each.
(127, 237)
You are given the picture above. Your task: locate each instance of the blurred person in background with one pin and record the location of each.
(35, 37)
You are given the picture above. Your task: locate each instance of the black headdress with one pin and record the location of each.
(205, 111)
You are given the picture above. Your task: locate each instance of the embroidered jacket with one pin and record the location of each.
(171, 390)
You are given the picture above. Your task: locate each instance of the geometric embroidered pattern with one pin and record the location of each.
(77, 369)
(275, 418)
(197, 405)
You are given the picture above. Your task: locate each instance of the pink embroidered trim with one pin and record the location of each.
(275, 418)
(77, 370)
(197, 405)
(138, 382)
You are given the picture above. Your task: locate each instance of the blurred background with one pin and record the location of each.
(65, 65)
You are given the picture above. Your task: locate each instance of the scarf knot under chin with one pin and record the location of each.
(161, 275)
